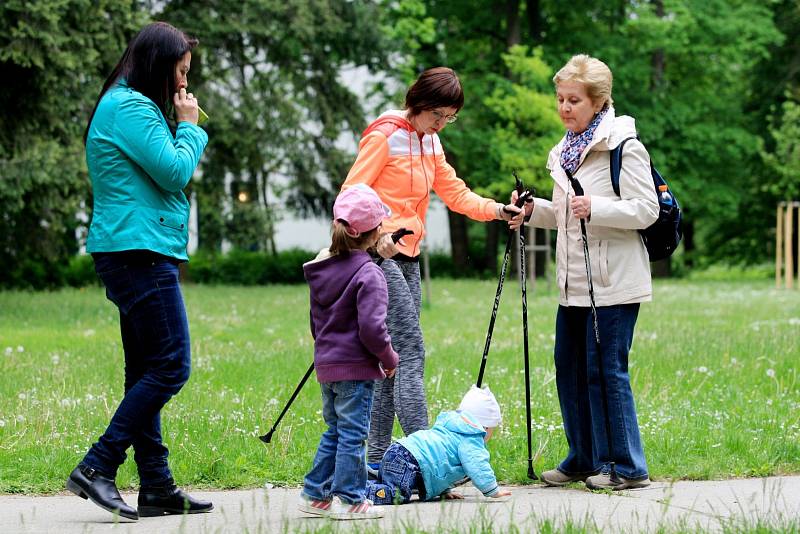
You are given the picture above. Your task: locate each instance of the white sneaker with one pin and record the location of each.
(362, 510)
(313, 506)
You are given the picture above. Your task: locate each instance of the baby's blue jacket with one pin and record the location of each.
(452, 449)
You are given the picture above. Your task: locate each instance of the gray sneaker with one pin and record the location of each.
(604, 481)
(554, 477)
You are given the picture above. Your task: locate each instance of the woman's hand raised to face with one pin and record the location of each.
(185, 107)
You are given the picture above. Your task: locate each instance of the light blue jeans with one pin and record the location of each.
(340, 466)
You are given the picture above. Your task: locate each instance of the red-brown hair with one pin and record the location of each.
(438, 87)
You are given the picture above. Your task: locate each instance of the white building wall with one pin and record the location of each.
(314, 233)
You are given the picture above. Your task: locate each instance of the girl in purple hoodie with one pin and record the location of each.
(352, 349)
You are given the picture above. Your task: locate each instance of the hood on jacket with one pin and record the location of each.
(460, 422)
(328, 275)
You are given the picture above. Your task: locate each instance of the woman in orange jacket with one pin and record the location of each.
(401, 158)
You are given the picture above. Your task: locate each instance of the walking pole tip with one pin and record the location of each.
(531, 472)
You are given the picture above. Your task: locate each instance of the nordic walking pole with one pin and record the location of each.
(579, 193)
(266, 438)
(524, 286)
(520, 202)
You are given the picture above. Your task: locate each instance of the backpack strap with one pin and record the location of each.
(615, 157)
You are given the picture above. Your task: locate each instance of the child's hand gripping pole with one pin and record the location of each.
(266, 438)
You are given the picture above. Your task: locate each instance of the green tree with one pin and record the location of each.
(508, 121)
(54, 55)
(683, 68)
(270, 74)
(784, 160)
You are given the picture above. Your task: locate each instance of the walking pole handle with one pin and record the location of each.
(397, 235)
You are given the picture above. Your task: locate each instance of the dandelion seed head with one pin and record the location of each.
(771, 373)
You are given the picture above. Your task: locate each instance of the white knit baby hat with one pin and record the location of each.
(481, 403)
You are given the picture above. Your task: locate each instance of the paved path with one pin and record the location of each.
(683, 506)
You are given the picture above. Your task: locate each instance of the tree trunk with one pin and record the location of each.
(533, 12)
(512, 23)
(459, 243)
(661, 268)
(492, 239)
(688, 242)
(459, 240)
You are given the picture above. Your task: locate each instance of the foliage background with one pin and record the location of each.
(713, 85)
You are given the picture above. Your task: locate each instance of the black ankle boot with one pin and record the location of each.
(87, 483)
(155, 501)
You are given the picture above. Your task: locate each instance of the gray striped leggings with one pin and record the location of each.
(405, 393)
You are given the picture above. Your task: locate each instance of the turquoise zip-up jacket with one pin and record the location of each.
(138, 171)
(452, 449)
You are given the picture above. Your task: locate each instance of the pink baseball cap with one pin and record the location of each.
(361, 208)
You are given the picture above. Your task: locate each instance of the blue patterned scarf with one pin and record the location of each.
(575, 144)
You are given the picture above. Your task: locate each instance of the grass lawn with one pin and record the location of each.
(713, 367)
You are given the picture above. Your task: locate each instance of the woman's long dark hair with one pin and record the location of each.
(148, 65)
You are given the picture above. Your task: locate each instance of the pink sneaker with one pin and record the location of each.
(313, 506)
(362, 510)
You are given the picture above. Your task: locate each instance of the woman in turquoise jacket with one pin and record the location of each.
(139, 164)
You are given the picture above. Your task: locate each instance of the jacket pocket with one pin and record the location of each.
(171, 220)
(602, 259)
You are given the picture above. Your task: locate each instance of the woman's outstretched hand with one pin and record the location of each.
(528, 203)
(185, 107)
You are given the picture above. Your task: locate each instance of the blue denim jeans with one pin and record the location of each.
(155, 339)
(594, 391)
(340, 465)
(398, 475)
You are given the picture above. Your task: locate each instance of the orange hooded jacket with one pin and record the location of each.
(402, 169)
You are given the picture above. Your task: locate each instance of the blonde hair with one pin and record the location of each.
(592, 73)
(343, 243)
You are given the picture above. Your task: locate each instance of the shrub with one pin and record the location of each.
(240, 267)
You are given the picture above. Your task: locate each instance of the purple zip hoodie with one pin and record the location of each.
(348, 317)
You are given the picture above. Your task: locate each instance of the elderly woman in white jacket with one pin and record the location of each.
(597, 406)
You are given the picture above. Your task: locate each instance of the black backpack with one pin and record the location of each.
(663, 236)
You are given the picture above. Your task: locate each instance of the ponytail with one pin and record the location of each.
(343, 243)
